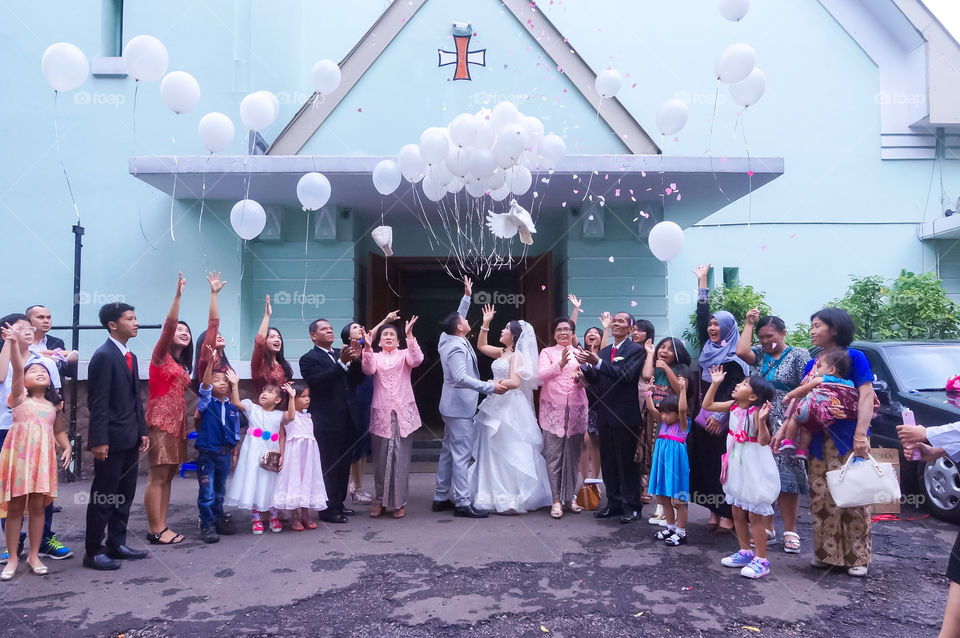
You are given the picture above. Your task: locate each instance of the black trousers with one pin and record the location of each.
(336, 452)
(111, 495)
(621, 476)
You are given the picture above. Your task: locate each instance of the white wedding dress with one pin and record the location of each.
(510, 471)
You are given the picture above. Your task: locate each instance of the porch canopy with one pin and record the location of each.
(705, 184)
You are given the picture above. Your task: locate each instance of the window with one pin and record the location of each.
(731, 276)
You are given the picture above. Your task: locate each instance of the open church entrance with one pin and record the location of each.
(421, 286)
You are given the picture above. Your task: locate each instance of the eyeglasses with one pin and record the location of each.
(562, 331)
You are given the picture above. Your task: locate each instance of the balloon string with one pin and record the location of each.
(386, 277)
(136, 89)
(713, 119)
(743, 132)
(56, 134)
(306, 265)
(173, 195)
(203, 194)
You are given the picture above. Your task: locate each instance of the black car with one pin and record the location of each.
(913, 374)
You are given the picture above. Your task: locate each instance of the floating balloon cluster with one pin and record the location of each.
(493, 152)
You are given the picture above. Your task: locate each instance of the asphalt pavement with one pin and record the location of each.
(431, 574)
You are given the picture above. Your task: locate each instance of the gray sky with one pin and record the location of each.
(948, 13)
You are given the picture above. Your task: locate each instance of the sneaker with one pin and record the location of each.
(6, 554)
(802, 454)
(788, 446)
(738, 559)
(53, 548)
(657, 518)
(225, 526)
(258, 527)
(675, 539)
(275, 525)
(757, 568)
(663, 534)
(208, 534)
(361, 498)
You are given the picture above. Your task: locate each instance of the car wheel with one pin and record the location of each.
(940, 486)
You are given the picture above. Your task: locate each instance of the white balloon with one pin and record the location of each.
(666, 240)
(500, 194)
(672, 116)
(608, 83)
(553, 147)
(511, 140)
(180, 91)
(734, 10)
(455, 186)
(735, 63)
(533, 129)
(506, 157)
(439, 174)
(748, 91)
(313, 191)
(325, 76)
(486, 134)
(504, 113)
(495, 181)
(216, 131)
(519, 180)
(64, 66)
(463, 129)
(482, 162)
(256, 111)
(531, 161)
(145, 58)
(274, 101)
(475, 187)
(386, 176)
(431, 190)
(248, 218)
(434, 145)
(458, 161)
(412, 166)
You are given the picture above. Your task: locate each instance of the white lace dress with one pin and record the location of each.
(510, 472)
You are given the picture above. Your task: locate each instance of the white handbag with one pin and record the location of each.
(863, 483)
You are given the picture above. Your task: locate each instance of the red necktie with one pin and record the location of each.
(613, 352)
(129, 358)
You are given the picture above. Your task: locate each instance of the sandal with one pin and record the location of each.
(556, 510)
(399, 512)
(154, 539)
(574, 506)
(309, 523)
(791, 542)
(376, 511)
(296, 525)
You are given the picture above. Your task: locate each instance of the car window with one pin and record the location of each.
(924, 366)
(876, 365)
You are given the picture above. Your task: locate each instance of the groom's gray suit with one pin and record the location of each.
(458, 404)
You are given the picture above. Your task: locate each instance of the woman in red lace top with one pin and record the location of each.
(268, 366)
(166, 417)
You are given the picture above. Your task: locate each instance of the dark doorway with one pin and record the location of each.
(420, 286)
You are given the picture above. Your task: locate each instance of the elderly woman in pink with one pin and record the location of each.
(563, 416)
(393, 413)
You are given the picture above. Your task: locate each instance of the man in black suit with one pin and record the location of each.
(613, 373)
(117, 436)
(331, 374)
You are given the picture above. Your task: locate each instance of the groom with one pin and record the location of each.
(458, 404)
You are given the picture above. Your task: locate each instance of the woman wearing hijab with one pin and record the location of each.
(706, 443)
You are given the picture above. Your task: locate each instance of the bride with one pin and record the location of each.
(510, 473)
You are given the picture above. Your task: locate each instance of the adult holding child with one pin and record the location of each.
(166, 418)
(393, 412)
(782, 365)
(841, 535)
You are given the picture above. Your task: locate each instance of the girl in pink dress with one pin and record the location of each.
(28, 461)
(393, 414)
(300, 486)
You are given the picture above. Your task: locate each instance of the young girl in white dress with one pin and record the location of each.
(750, 478)
(510, 471)
(300, 486)
(252, 486)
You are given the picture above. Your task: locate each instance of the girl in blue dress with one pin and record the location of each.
(670, 467)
